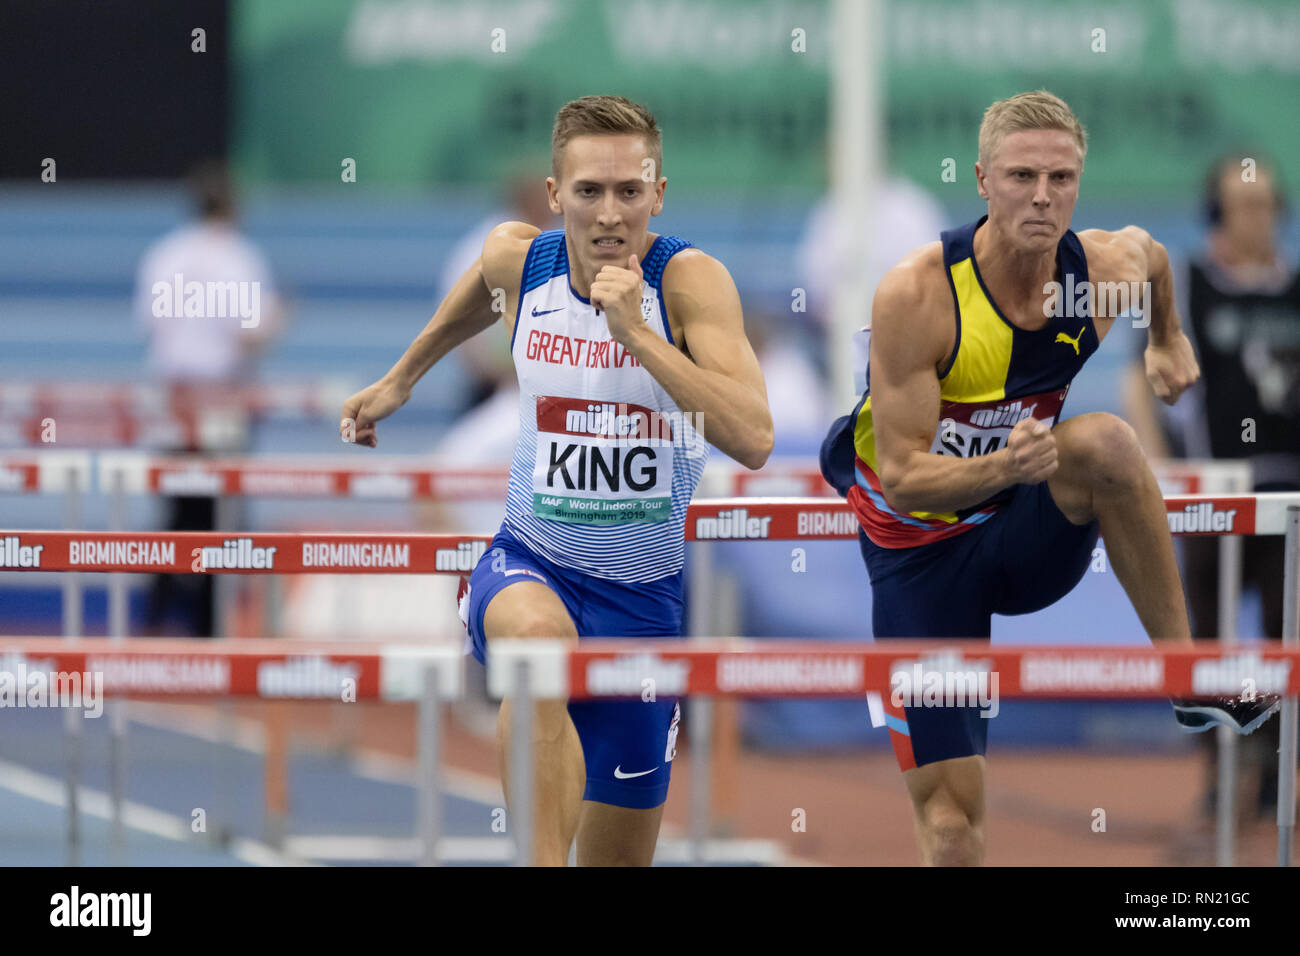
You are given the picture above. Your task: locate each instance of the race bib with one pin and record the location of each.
(602, 463)
(968, 430)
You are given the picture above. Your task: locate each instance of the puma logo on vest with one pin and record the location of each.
(1062, 337)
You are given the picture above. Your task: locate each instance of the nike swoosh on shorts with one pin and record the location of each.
(618, 772)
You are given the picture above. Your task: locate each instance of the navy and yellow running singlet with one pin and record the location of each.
(997, 375)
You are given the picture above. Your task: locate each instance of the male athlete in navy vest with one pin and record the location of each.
(974, 498)
(625, 342)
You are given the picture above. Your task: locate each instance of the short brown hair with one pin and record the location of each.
(604, 116)
(1037, 110)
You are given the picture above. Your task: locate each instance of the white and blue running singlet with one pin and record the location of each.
(606, 463)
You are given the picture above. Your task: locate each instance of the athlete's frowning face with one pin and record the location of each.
(1031, 184)
(608, 189)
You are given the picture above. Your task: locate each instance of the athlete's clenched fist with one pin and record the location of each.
(1031, 448)
(362, 410)
(617, 292)
(1171, 368)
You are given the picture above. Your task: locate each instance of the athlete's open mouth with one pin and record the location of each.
(608, 242)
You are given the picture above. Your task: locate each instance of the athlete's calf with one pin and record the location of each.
(522, 611)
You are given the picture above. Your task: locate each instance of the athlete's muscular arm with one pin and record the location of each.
(470, 307)
(721, 379)
(911, 337)
(1132, 255)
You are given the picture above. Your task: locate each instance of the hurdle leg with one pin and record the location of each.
(700, 709)
(700, 736)
(725, 768)
(117, 709)
(521, 762)
(222, 823)
(276, 775)
(429, 739)
(1286, 764)
(72, 719)
(1226, 805)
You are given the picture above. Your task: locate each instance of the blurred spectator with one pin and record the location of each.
(905, 217)
(1241, 311)
(485, 434)
(218, 345)
(486, 357)
(205, 297)
(796, 388)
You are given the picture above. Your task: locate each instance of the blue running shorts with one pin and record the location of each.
(628, 745)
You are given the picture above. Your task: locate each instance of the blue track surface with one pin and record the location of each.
(175, 773)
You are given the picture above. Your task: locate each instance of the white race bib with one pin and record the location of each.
(602, 463)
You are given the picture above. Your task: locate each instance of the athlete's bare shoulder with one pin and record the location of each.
(698, 290)
(1117, 256)
(913, 300)
(504, 252)
(693, 270)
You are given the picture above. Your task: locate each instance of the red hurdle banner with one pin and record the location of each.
(768, 519)
(749, 668)
(408, 477)
(804, 519)
(216, 552)
(269, 669)
(18, 477)
(412, 478)
(719, 667)
(113, 415)
(296, 399)
(802, 477)
(267, 479)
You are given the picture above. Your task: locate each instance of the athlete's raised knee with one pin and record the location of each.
(1102, 450)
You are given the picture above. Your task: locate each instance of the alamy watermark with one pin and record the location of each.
(26, 684)
(176, 298)
(944, 680)
(1109, 300)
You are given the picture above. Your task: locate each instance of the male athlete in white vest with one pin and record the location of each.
(629, 347)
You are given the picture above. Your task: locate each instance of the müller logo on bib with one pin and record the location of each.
(619, 420)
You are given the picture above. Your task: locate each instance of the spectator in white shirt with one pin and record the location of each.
(204, 295)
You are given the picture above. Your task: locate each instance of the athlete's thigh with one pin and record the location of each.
(940, 590)
(513, 594)
(617, 836)
(1041, 555)
(527, 609)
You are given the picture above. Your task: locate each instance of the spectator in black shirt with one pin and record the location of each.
(1242, 314)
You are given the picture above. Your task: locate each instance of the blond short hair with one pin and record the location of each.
(604, 116)
(1037, 110)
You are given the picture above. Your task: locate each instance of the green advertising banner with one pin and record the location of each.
(458, 91)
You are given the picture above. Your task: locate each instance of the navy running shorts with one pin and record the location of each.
(1023, 559)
